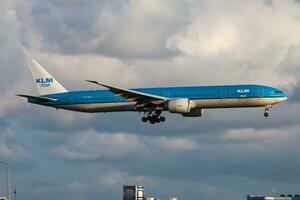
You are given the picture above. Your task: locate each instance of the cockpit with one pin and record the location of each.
(279, 93)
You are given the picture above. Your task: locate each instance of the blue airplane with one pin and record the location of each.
(187, 101)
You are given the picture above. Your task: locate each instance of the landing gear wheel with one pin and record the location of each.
(144, 119)
(153, 117)
(157, 113)
(157, 120)
(163, 119)
(152, 121)
(266, 114)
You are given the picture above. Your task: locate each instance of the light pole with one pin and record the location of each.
(7, 179)
(15, 192)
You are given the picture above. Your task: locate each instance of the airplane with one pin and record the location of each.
(187, 101)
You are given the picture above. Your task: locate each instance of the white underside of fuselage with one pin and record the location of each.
(203, 103)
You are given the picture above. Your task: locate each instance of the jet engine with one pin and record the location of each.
(181, 105)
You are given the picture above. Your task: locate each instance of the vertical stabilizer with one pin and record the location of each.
(45, 83)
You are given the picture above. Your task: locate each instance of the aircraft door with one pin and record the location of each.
(223, 94)
(166, 94)
(71, 100)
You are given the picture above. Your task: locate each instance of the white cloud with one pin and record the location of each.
(90, 145)
(205, 39)
(133, 28)
(253, 46)
(138, 29)
(11, 58)
(208, 189)
(8, 103)
(253, 135)
(12, 151)
(117, 178)
(76, 186)
(217, 26)
(178, 144)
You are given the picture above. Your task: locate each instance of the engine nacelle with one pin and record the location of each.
(194, 113)
(181, 105)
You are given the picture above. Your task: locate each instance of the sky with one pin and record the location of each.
(225, 154)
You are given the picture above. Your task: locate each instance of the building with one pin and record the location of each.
(153, 198)
(281, 197)
(150, 198)
(137, 192)
(133, 192)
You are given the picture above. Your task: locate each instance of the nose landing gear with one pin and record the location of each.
(153, 117)
(266, 114)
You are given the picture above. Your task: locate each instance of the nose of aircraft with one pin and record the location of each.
(282, 96)
(285, 96)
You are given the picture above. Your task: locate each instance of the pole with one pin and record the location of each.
(8, 184)
(7, 179)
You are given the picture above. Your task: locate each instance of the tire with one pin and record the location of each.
(157, 120)
(144, 119)
(163, 119)
(266, 114)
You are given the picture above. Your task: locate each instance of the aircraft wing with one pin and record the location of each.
(44, 99)
(132, 95)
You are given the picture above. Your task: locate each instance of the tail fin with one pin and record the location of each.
(45, 83)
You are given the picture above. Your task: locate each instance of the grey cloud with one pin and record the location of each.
(92, 146)
(76, 186)
(128, 29)
(60, 124)
(12, 152)
(11, 58)
(239, 157)
(293, 95)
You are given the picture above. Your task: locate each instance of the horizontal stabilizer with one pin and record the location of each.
(44, 99)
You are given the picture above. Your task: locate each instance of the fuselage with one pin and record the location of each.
(205, 97)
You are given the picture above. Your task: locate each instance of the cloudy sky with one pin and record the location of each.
(227, 154)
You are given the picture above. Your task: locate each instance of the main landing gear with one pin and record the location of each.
(266, 114)
(153, 117)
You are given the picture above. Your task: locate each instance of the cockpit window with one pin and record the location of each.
(278, 92)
